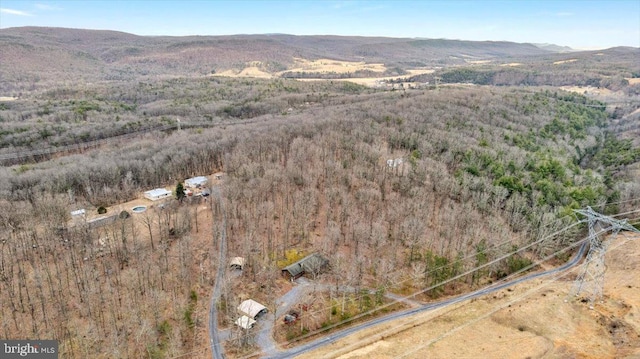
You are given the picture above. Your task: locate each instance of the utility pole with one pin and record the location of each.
(591, 279)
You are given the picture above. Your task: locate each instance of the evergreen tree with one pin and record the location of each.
(180, 191)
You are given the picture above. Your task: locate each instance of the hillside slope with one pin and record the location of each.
(34, 55)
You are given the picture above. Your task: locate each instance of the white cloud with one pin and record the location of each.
(47, 7)
(341, 4)
(375, 7)
(555, 14)
(14, 12)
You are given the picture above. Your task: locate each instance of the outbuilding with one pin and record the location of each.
(196, 182)
(245, 322)
(237, 263)
(78, 213)
(157, 194)
(252, 309)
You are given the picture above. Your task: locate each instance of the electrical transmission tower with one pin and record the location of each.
(591, 279)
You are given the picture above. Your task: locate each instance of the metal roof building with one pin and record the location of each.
(156, 194)
(196, 182)
(245, 322)
(313, 263)
(252, 309)
(237, 262)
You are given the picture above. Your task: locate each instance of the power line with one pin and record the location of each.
(486, 315)
(468, 323)
(620, 202)
(459, 276)
(456, 277)
(468, 297)
(504, 281)
(591, 279)
(465, 297)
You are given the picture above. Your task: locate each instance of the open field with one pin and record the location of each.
(376, 81)
(564, 61)
(251, 71)
(329, 65)
(255, 69)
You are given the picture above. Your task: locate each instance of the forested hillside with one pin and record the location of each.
(610, 69)
(34, 58)
(400, 189)
(308, 172)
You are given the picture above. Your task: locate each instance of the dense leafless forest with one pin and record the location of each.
(484, 170)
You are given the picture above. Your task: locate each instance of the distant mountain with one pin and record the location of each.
(31, 57)
(38, 54)
(554, 48)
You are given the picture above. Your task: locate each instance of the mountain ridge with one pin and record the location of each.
(34, 56)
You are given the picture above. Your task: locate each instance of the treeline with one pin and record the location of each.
(64, 116)
(515, 76)
(331, 75)
(608, 69)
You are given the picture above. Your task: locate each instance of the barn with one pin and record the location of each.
(252, 309)
(196, 182)
(156, 194)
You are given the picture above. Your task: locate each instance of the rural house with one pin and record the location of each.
(196, 182)
(313, 264)
(156, 194)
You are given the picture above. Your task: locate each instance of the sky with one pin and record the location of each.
(584, 24)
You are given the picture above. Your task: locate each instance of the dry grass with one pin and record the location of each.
(323, 66)
(565, 61)
(251, 71)
(478, 62)
(340, 67)
(588, 90)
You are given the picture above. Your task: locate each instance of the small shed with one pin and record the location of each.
(245, 322)
(78, 212)
(196, 182)
(237, 263)
(313, 263)
(252, 309)
(156, 194)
